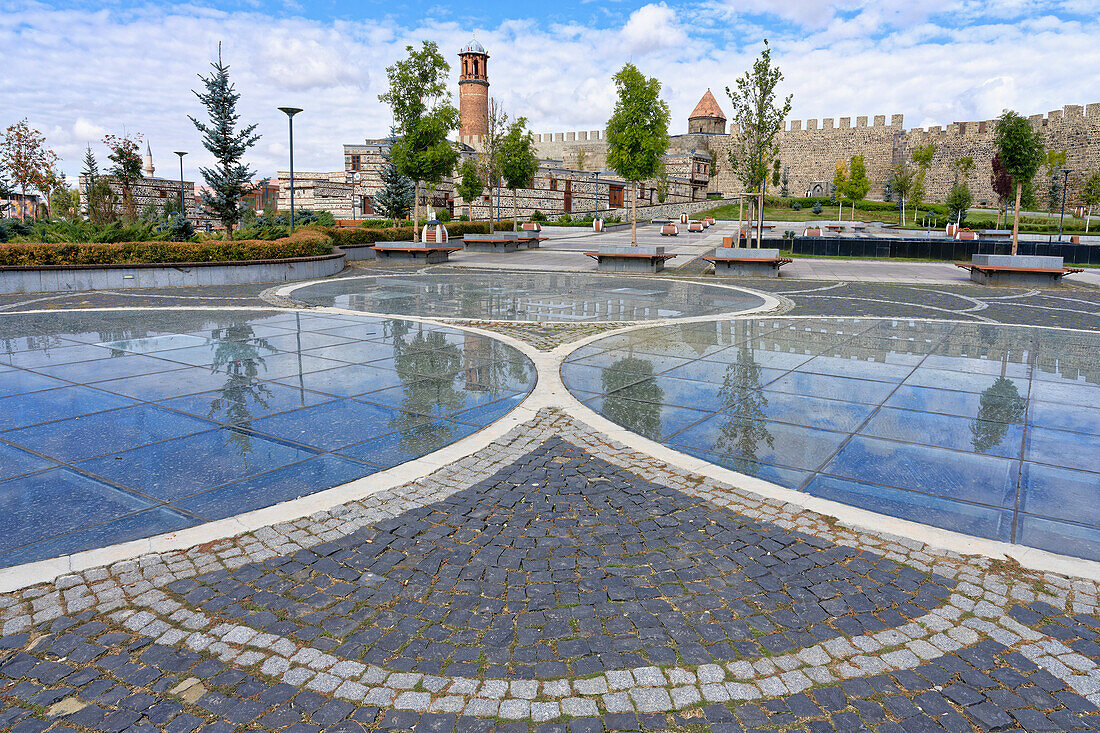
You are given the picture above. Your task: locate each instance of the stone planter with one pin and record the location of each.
(1017, 270)
(669, 230)
(641, 259)
(747, 262)
(695, 226)
(811, 232)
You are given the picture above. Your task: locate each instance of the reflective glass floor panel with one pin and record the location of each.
(520, 296)
(989, 430)
(116, 426)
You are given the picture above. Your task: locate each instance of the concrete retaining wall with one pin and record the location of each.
(73, 278)
(658, 211)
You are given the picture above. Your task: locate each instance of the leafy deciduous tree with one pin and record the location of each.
(23, 151)
(922, 156)
(858, 184)
(637, 133)
(1020, 149)
(424, 115)
(496, 123)
(518, 161)
(125, 168)
(469, 185)
(229, 180)
(903, 179)
(759, 119)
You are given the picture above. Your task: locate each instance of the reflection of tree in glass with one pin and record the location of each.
(238, 353)
(1001, 406)
(426, 365)
(743, 405)
(641, 412)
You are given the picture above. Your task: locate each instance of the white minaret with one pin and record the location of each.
(149, 169)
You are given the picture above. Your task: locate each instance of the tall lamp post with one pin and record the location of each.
(356, 178)
(183, 209)
(290, 112)
(1065, 184)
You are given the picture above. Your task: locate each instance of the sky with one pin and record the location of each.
(79, 70)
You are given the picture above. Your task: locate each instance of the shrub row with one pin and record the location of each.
(303, 243)
(370, 235)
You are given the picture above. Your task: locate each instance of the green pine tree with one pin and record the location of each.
(230, 179)
(395, 199)
(91, 166)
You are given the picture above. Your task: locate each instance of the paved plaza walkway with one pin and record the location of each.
(552, 573)
(565, 248)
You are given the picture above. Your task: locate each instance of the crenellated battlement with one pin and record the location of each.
(844, 123)
(571, 137)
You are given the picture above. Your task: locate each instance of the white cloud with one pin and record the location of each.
(652, 27)
(114, 71)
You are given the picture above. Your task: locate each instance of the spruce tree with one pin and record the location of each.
(230, 180)
(91, 166)
(395, 198)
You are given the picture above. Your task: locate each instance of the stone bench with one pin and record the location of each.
(426, 253)
(500, 242)
(744, 262)
(630, 259)
(1017, 270)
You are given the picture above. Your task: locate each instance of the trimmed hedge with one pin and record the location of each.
(303, 243)
(369, 235)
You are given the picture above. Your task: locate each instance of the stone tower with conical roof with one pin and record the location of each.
(149, 169)
(707, 118)
(473, 89)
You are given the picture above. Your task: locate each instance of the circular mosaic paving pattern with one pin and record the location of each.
(120, 425)
(989, 430)
(520, 296)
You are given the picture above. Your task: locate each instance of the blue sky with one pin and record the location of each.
(79, 70)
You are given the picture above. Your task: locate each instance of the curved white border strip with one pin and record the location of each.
(33, 573)
(860, 519)
(771, 301)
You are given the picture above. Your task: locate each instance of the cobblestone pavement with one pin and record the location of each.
(559, 582)
(536, 586)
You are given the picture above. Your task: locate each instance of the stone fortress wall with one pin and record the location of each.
(811, 148)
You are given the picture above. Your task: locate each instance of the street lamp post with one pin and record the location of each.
(356, 178)
(183, 209)
(1065, 185)
(290, 112)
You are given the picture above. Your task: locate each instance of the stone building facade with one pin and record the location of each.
(146, 191)
(345, 196)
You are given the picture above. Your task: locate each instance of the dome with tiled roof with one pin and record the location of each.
(707, 118)
(474, 46)
(707, 107)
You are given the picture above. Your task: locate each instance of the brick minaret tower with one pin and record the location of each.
(473, 89)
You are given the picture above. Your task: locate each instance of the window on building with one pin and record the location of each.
(553, 184)
(355, 162)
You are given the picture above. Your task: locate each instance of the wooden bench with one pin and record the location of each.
(431, 254)
(995, 234)
(750, 263)
(859, 227)
(835, 227)
(630, 261)
(1016, 276)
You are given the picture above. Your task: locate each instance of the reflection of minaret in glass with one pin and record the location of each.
(476, 363)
